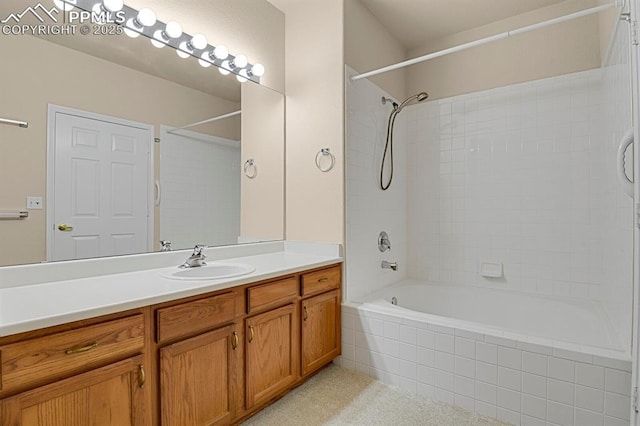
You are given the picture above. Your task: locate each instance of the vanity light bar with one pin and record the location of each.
(185, 44)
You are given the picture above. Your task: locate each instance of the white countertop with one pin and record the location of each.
(30, 305)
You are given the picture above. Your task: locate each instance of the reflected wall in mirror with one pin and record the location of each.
(130, 80)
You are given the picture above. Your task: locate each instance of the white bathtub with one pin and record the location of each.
(523, 359)
(557, 322)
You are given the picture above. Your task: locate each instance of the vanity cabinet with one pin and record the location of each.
(90, 372)
(271, 340)
(112, 395)
(320, 319)
(199, 361)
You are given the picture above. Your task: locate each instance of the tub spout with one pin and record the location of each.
(389, 265)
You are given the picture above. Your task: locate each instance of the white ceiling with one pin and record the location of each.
(413, 22)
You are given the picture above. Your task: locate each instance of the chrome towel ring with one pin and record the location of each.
(325, 152)
(250, 168)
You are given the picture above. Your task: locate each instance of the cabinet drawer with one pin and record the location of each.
(192, 317)
(271, 295)
(44, 358)
(320, 281)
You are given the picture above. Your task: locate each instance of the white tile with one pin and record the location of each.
(487, 352)
(501, 341)
(445, 362)
(465, 386)
(509, 399)
(531, 421)
(590, 375)
(407, 369)
(445, 343)
(426, 356)
(391, 330)
(391, 348)
(560, 414)
(612, 363)
(408, 334)
(534, 385)
(588, 418)
(487, 373)
(533, 406)
(534, 363)
(617, 405)
(510, 379)
(407, 352)
(362, 356)
(441, 329)
(464, 402)
(618, 381)
(425, 338)
(465, 367)
(443, 395)
(486, 392)
(561, 369)
(426, 375)
(465, 347)
(485, 409)
(589, 398)
(425, 391)
(560, 391)
(511, 358)
(571, 355)
(613, 421)
(508, 416)
(444, 380)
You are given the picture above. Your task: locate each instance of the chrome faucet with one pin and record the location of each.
(165, 245)
(196, 259)
(389, 265)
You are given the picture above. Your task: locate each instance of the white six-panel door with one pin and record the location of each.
(99, 188)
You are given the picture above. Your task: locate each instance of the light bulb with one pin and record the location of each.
(65, 6)
(257, 70)
(221, 52)
(113, 5)
(130, 27)
(183, 48)
(158, 39)
(206, 60)
(224, 68)
(146, 17)
(240, 61)
(199, 41)
(243, 76)
(173, 29)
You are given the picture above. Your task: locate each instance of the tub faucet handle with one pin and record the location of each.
(389, 265)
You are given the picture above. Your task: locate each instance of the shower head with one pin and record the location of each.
(422, 96)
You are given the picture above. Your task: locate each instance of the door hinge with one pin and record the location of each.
(634, 32)
(635, 399)
(637, 215)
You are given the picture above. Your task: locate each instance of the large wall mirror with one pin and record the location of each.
(110, 134)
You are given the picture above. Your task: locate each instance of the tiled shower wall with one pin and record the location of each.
(522, 176)
(369, 209)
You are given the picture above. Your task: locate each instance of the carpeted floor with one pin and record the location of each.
(337, 396)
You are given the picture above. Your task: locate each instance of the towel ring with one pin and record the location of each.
(250, 169)
(324, 152)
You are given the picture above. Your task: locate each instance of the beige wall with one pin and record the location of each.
(314, 118)
(39, 73)
(262, 205)
(555, 50)
(368, 45)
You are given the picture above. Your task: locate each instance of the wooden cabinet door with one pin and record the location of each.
(320, 330)
(107, 396)
(270, 354)
(196, 379)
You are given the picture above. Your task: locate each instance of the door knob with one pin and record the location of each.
(65, 228)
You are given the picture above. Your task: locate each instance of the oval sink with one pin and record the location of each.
(211, 271)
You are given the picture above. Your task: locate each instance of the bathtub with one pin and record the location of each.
(516, 357)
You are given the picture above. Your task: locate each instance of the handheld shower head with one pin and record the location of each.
(422, 96)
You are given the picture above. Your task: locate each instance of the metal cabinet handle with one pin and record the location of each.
(82, 349)
(305, 315)
(323, 280)
(65, 228)
(142, 379)
(251, 335)
(234, 342)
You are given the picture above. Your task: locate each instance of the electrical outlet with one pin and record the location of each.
(34, 203)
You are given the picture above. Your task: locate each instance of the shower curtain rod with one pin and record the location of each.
(506, 34)
(220, 117)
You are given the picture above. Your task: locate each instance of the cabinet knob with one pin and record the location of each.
(142, 378)
(251, 334)
(234, 342)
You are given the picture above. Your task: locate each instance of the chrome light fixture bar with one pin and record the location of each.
(144, 22)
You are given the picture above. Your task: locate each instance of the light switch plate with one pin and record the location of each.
(34, 203)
